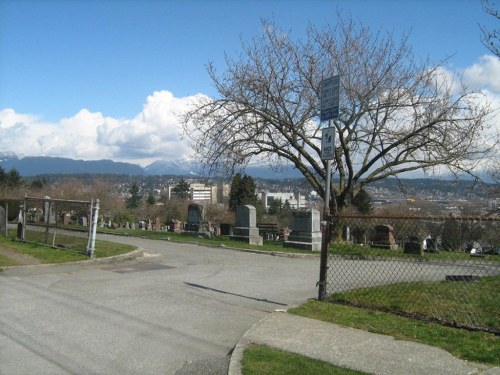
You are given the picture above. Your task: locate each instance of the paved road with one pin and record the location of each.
(179, 310)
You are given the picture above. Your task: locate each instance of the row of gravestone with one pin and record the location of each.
(305, 234)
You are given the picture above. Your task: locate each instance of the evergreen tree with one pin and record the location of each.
(182, 189)
(150, 200)
(11, 179)
(363, 202)
(242, 191)
(134, 201)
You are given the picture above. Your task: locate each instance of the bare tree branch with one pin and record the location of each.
(396, 114)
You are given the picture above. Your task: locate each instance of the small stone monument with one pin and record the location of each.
(196, 218)
(157, 224)
(384, 237)
(246, 229)
(48, 211)
(413, 247)
(175, 226)
(67, 219)
(306, 230)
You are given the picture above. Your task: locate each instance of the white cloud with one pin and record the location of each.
(151, 135)
(484, 74)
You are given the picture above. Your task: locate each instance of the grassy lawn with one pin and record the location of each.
(262, 360)
(46, 254)
(347, 250)
(446, 301)
(273, 246)
(367, 252)
(473, 346)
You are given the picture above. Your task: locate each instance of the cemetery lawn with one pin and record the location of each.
(480, 347)
(219, 241)
(263, 360)
(345, 250)
(14, 252)
(367, 252)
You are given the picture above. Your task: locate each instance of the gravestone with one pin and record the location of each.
(175, 226)
(413, 247)
(430, 245)
(83, 221)
(67, 219)
(384, 237)
(132, 226)
(306, 230)
(246, 229)
(158, 224)
(196, 218)
(49, 216)
(3, 222)
(226, 229)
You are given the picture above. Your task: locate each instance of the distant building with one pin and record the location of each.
(295, 200)
(198, 193)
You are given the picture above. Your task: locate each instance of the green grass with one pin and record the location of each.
(6, 261)
(367, 252)
(273, 246)
(473, 346)
(347, 250)
(263, 360)
(462, 303)
(48, 254)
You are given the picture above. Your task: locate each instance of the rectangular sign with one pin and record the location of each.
(330, 89)
(328, 143)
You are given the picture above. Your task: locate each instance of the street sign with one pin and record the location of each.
(328, 143)
(330, 89)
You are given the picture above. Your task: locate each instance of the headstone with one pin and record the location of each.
(306, 230)
(226, 229)
(430, 245)
(175, 226)
(48, 212)
(413, 247)
(127, 225)
(3, 222)
(196, 218)
(246, 229)
(132, 226)
(384, 237)
(83, 221)
(158, 224)
(67, 219)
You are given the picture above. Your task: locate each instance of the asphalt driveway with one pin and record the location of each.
(180, 309)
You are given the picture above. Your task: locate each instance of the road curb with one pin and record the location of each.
(239, 349)
(137, 253)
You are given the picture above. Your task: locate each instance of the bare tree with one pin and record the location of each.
(491, 38)
(396, 115)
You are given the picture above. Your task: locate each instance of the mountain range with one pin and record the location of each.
(29, 166)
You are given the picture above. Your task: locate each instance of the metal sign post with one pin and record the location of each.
(330, 89)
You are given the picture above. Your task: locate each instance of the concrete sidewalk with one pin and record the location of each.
(352, 348)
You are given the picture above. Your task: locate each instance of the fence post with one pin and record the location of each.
(325, 235)
(94, 229)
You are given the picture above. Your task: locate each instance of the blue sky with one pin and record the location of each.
(70, 67)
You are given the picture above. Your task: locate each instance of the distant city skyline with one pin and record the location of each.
(106, 79)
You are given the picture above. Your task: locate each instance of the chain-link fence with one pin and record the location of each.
(58, 223)
(437, 269)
